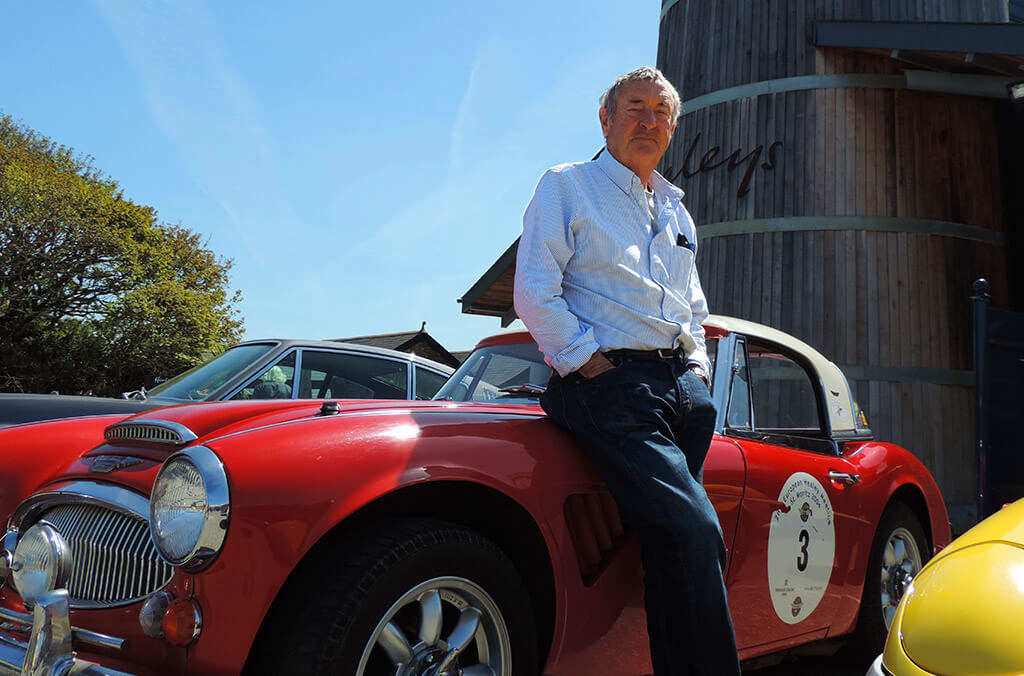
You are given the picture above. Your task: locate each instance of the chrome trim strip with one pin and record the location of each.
(114, 497)
(79, 635)
(150, 429)
(852, 223)
(410, 381)
(218, 508)
(297, 373)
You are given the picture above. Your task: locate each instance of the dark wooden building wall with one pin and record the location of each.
(1016, 9)
(853, 218)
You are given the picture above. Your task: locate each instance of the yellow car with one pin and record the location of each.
(962, 615)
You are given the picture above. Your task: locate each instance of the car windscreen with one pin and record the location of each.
(511, 373)
(197, 383)
(514, 373)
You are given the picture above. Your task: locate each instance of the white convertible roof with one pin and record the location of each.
(839, 399)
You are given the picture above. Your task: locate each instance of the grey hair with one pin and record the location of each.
(609, 98)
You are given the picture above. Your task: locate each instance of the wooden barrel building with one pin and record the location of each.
(842, 159)
(852, 166)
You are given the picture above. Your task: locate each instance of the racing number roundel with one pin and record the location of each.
(801, 548)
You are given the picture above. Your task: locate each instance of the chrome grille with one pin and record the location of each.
(115, 560)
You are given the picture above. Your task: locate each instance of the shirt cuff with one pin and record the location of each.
(574, 357)
(701, 361)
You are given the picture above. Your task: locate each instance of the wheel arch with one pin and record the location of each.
(484, 509)
(913, 497)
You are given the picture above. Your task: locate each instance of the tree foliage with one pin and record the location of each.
(95, 293)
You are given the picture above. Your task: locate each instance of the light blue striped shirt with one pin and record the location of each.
(594, 273)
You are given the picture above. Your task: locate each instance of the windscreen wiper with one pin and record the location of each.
(524, 390)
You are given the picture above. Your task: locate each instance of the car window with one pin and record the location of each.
(711, 347)
(343, 375)
(428, 383)
(196, 384)
(783, 393)
(738, 412)
(274, 383)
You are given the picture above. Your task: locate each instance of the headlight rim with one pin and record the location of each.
(216, 518)
(61, 553)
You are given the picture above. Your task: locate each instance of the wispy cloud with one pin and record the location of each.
(456, 150)
(197, 98)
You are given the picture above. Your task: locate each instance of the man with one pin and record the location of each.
(606, 283)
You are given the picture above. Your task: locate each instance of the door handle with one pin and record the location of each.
(843, 477)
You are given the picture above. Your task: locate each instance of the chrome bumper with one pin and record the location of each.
(49, 650)
(876, 668)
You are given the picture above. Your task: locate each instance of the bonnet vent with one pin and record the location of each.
(156, 431)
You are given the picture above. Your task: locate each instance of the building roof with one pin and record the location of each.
(978, 48)
(491, 295)
(414, 342)
(391, 341)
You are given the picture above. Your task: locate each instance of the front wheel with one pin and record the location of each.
(411, 598)
(899, 551)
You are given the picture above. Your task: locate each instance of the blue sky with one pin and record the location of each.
(362, 163)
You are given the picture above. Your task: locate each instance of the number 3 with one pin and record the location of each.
(801, 561)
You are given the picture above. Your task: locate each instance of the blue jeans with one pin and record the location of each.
(647, 425)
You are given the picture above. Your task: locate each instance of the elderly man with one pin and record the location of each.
(607, 285)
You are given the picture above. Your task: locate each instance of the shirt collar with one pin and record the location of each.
(626, 180)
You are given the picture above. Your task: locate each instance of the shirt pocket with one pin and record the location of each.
(679, 264)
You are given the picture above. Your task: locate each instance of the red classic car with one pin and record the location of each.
(466, 535)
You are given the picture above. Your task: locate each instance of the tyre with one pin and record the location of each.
(899, 551)
(408, 598)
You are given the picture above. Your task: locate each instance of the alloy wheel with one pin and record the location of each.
(901, 561)
(445, 626)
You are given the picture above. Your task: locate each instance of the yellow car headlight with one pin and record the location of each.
(962, 616)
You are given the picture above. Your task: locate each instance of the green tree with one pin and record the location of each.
(95, 293)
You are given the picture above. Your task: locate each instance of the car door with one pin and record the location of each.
(799, 505)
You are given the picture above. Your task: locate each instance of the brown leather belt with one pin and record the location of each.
(663, 354)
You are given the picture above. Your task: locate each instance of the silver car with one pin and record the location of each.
(258, 369)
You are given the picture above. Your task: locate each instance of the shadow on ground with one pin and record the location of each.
(838, 665)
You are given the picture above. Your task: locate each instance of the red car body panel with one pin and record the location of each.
(296, 475)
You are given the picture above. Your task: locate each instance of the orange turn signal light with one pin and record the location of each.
(182, 622)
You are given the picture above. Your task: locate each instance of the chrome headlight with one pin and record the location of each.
(41, 562)
(189, 508)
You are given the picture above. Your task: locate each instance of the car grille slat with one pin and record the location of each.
(155, 431)
(96, 557)
(115, 560)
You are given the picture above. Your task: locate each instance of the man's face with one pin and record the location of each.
(639, 132)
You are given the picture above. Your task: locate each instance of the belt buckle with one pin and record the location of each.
(666, 353)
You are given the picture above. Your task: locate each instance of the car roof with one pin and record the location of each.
(288, 343)
(839, 404)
